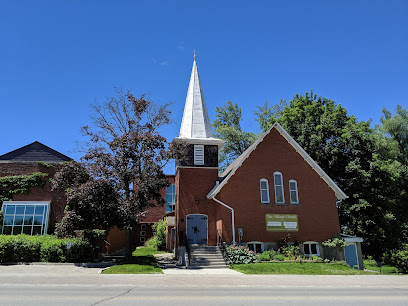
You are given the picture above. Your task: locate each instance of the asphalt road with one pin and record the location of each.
(206, 295)
(69, 285)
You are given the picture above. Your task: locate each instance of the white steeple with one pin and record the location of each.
(195, 123)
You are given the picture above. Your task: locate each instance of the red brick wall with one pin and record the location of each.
(56, 197)
(192, 184)
(317, 212)
(117, 238)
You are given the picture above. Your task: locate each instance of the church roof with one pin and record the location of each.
(34, 152)
(195, 123)
(233, 167)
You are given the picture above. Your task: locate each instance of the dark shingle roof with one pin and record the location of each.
(34, 152)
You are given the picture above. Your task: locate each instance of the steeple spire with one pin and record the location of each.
(195, 123)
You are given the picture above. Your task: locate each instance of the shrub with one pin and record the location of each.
(283, 242)
(23, 248)
(315, 258)
(291, 252)
(53, 250)
(94, 235)
(279, 257)
(266, 255)
(399, 259)
(239, 255)
(80, 251)
(158, 241)
(6, 248)
(26, 248)
(335, 242)
(263, 257)
(151, 243)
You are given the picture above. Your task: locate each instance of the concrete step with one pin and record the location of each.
(204, 248)
(207, 263)
(206, 254)
(218, 266)
(112, 258)
(207, 257)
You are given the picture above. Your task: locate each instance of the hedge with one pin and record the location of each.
(399, 258)
(23, 248)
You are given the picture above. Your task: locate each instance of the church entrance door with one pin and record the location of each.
(197, 229)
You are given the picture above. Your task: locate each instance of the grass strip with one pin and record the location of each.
(142, 262)
(385, 269)
(297, 268)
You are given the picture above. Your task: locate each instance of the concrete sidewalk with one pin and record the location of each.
(38, 275)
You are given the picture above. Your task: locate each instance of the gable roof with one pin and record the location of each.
(34, 152)
(233, 167)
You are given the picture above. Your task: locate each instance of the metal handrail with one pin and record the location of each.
(221, 245)
(188, 250)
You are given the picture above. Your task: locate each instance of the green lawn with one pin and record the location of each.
(297, 268)
(385, 269)
(142, 262)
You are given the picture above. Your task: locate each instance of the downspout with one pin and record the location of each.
(233, 217)
(338, 207)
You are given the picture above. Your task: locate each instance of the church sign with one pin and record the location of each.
(281, 223)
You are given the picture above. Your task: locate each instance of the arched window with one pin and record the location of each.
(264, 191)
(279, 195)
(293, 190)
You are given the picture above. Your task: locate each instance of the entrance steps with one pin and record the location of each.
(206, 257)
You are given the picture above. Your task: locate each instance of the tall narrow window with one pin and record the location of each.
(294, 198)
(279, 196)
(264, 191)
(199, 155)
(171, 198)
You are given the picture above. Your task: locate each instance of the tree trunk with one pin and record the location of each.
(128, 247)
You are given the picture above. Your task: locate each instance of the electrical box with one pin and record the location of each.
(240, 232)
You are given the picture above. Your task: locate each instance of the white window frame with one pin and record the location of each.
(142, 227)
(46, 214)
(199, 155)
(279, 186)
(295, 190)
(142, 233)
(308, 244)
(142, 239)
(267, 201)
(256, 243)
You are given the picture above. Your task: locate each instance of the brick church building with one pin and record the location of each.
(273, 191)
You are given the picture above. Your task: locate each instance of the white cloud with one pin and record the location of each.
(180, 46)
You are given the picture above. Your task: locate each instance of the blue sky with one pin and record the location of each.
(57, 57)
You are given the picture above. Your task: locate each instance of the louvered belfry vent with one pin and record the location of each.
(199, 155)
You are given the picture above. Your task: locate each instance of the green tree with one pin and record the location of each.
(227, 126)
(392, 179)
(346, 150)
(393, 134)
(267, 114)
(124, 148)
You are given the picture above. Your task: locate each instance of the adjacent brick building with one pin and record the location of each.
(37, 211)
